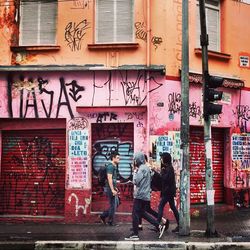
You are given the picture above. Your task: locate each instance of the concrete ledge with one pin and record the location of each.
(218, 245)
(129, 245)
(109, 245)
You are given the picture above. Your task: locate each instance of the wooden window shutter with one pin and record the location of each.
(114, 21)
(38, 22)
(213, 25)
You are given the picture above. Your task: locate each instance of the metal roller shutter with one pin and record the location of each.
(33, 173)
(108, 137)
(197, 164)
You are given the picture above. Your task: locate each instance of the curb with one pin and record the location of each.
(130, 245)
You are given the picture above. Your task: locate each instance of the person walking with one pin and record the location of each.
(148, 208)
(168, 191)
(142, 191)
(111, 189)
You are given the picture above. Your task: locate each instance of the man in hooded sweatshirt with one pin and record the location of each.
(142, 191)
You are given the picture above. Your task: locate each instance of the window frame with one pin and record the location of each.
(218, 10)
(38, 41)
(115, 25)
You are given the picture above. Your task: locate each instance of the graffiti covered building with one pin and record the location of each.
(79, 84)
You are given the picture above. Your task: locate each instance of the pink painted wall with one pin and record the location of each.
(114, 97)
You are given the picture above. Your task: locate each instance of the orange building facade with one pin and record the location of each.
(80, 79)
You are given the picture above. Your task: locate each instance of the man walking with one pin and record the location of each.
(111, 189)
(142, 182)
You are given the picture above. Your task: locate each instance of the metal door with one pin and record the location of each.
(197, 164)
(108, 137)
(33, 173)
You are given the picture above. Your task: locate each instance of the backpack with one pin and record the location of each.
(156, 181)
(102, 175)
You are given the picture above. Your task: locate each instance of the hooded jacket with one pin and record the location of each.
(142, 178)
(168, 181)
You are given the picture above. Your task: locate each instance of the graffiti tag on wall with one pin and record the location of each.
(242, 114)
(33, 183)
(74, 33)
(104, 148)
(174, 106)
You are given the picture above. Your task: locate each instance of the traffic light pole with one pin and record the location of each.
(210, 231)
(184, 225)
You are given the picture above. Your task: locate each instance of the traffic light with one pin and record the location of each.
(211, 95)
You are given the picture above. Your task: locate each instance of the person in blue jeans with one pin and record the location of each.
(168, 189)
(111, 189)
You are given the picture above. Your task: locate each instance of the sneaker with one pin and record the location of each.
(161, 230)
(176, 230)
(132, 237)
(102, 219)
(166, 224)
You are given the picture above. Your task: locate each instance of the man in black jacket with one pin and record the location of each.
(168, 190)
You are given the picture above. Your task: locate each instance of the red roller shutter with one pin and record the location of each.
(33, 173)
(108, 137)
(197, 164)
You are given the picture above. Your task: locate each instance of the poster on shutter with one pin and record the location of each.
(78, 159)
(163, 144)
(240, 151)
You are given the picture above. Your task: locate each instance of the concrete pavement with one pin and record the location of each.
(233, 228)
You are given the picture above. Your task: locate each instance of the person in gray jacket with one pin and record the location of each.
(142, 191)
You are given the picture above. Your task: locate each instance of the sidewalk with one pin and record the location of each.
(232, 226)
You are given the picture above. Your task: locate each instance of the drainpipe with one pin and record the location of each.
(148, 33)
(147, 75)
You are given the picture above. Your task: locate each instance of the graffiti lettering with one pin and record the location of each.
(174, 103)
(139, 125)
(103, 150)
(135, 115)
(81, 4)
(42, 90)
(36, 97)
(78, 123)
(21, 190)
(104, 117)
(141, 32)
(110, 130)
(33, 103)
(77, 206)
(242, 113)
(133, 92)
(75, 90)
(66, 102)
(156, 41)
(74, 34)
(194, 110)
(95, 86)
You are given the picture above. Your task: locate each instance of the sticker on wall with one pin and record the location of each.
(244, 61)
(240, 151)
(78, 159)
